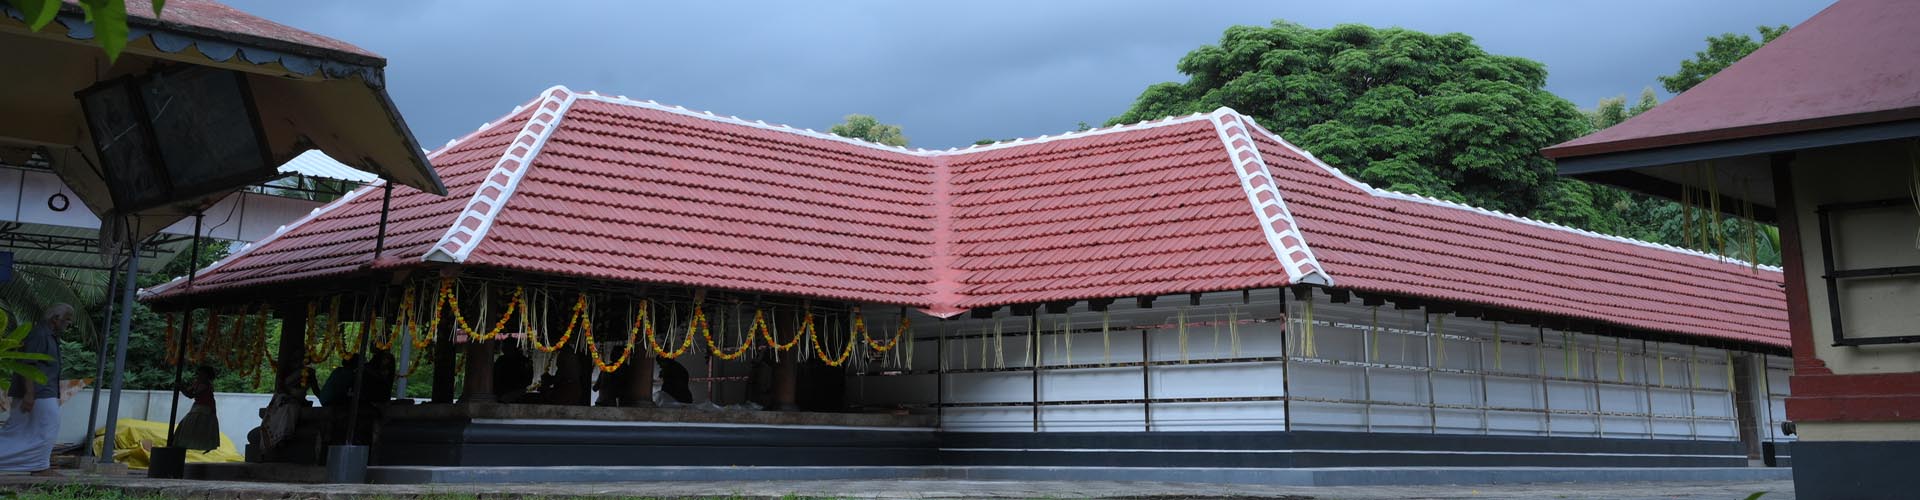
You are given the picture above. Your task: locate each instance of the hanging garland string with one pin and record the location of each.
(212, 330)
(845, 353)
(714, 348)
(860, 326)
(449, 297)
(579, 315)
(640, 321)
(760, 323)
(173, 340)
(686, 343)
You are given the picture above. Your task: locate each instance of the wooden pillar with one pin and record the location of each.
(786, 373)
(572, 387)
(479, 387)
(293, 343)
(443, 364)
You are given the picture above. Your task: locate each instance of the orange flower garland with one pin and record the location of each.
(579, 312)
(760, 324)
(173, 342)
(626, 352)
(446, 293)
(818, 349)
(714, 347)
(206, 343)
(860, 325)
(317, 351)
(424, 338)
(699, 321)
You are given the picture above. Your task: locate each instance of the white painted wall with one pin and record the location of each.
(239, 413)
(1363, 369)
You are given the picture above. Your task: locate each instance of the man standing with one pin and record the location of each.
(26, 439)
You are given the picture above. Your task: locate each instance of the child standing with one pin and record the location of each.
(200, 429)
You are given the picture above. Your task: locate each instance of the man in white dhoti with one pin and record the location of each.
(26, 439)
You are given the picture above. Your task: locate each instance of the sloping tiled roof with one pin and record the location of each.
(1851, 64)
(607, 188)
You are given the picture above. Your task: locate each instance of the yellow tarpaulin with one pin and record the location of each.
(131, 434)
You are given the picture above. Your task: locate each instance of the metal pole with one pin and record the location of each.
(1286, 363)
(379, 300)
(173, 411)
(1033, 339)
(1433, 364)
(939, 376)
(100, 359)
(1540, 370)
(120, 353)
(1146, 379)
(1646, 383)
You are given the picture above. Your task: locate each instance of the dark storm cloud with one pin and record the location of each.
(949, 73)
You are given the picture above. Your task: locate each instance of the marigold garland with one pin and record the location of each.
(845, 353)
(447, 295)
(579, 313)
(424, 338)
(173, 341)
(760, 324)
(699, 320)
(860, 326)
(317, 351)
(198, 356)
(639, 321)
(714, 347)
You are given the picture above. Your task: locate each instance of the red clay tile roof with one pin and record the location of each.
(607, 188)
(212, 17)
(1851, 64)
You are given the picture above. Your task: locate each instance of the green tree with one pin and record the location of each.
(868, 128)
(1722, 51)
(108, 17)
(1413, 112)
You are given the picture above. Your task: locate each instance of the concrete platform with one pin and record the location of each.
(1287, 477)
(141, 487)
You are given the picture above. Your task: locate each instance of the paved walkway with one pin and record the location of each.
(937, 489)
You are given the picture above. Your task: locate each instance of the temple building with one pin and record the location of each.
(1818, 131)
(1193, 291)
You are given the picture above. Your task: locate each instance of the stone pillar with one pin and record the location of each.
(786, 373)
(479, 387)
(293, 343)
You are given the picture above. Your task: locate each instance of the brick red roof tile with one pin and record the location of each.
(614, 189)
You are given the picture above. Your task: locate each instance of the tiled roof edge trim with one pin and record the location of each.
(483, 128)
(491, 195)
(342, 201)
(1276, 222)
(1495, 213)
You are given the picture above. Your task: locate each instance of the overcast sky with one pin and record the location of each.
(950, 73)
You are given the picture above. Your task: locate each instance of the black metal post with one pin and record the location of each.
(1033, 336)
(100, 357)
(193, 268)
(379, 301)
(120, 350)
(1286, 365)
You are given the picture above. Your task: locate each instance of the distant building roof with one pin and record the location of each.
(607, 188)
(1855, 63)
(315, 163)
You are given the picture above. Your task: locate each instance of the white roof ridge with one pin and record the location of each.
(808, 132)
(1384, 193)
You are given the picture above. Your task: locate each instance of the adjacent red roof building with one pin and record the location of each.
(609, 188)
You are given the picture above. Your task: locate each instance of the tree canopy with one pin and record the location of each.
(868, 128)
(1722, 51)
(1419, 113)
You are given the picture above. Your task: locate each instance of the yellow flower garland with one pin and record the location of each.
(860, 325)
(579, 311)
(845, 353)
(173, 341)
(626, 352)
(447, 295)
(424, 338)
(760, 324)
(714, 347)
(319, 353)
(699, 320)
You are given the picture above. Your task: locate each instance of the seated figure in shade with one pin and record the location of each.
(512, 374)
(673, 382)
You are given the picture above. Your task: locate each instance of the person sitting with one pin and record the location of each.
(673, 381)
(512, 373)
(339, 386)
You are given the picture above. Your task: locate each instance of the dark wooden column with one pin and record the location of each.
(443, 364)
(293, 343)
(786, 373)
(479, 386)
